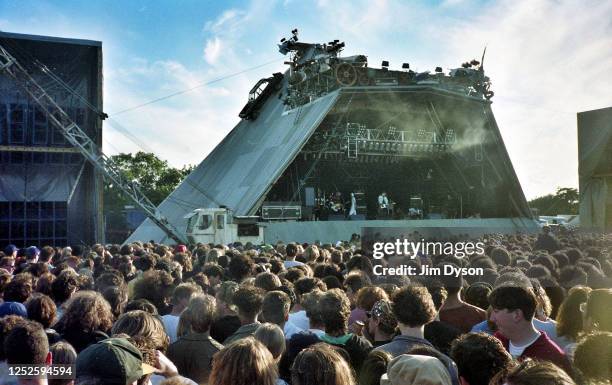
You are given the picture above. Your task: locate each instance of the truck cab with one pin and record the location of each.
(219, 226)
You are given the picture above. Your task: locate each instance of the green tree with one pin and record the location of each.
(564, 201)
(155, 178)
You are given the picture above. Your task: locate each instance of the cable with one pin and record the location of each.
(194, 87)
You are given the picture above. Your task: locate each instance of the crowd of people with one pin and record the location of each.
(309, 314)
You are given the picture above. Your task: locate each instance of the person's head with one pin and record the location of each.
(8, 264)
(140, 324)
(65, 285)
(353, 282)
(272, 337)
(512, 308)
(62, 353)
(11, 251)
(224, 297)
(248, 301)
(291, 250)
(593, 357)
(413, 306)
(410, 369)
(117, 298)
(214, 273)
(335, 310)
(382, 319)
(374, 366)
(477, 294)
(275, 307)
(19, 288)
(530, 372)
(27, 344)
(156, 286)
(306, 285)
(243, 362)
(183, 293)
(241, 266)
(199, 313)
(367, 296)
(42, 309)
(267, 281)
(87, 311)
(141, 304)
(114, 361)
(320, 364)
(569, 317)
(598, 312)
(32, 253)
(479, 357)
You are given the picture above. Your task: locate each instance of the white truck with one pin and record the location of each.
(219, 226)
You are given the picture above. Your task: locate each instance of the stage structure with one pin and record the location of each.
(595, 169)
(324, 140)
(49, 194)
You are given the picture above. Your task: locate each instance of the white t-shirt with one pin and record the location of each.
(516, 350)
(290, 264)
(171, 325)
(290, 329)
(300, 319)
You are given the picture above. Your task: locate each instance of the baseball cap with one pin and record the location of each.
(13, 308)
(32, 252)
(115, 361)
(408, 369)
(181, 249)
(10, 249)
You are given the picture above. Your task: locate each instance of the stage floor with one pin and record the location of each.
(334, 231)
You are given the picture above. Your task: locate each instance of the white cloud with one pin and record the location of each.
(212, 51)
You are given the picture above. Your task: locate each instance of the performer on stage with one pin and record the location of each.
(353, 210)
(383, 205)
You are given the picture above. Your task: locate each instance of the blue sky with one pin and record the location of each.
(547, 60)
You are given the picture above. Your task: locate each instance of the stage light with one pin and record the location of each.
(406, 66)
(385, 64)
(438, 69)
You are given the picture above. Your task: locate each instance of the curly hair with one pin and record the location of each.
(367, 296)
(248, 300)
(184, 260)
(240, 266)
(267, 281)
(86, 311)
(7, 323)
(66, 283)
(155, 286)
(19, 288)
(335, 311)
(43, 284)
(42, 309)
(413, 306)
(27, 343)
(243, 362)
(139, 323)
(479, 357)
(599, 309)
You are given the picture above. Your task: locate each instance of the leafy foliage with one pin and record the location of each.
(564, 201)
(155, 178)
